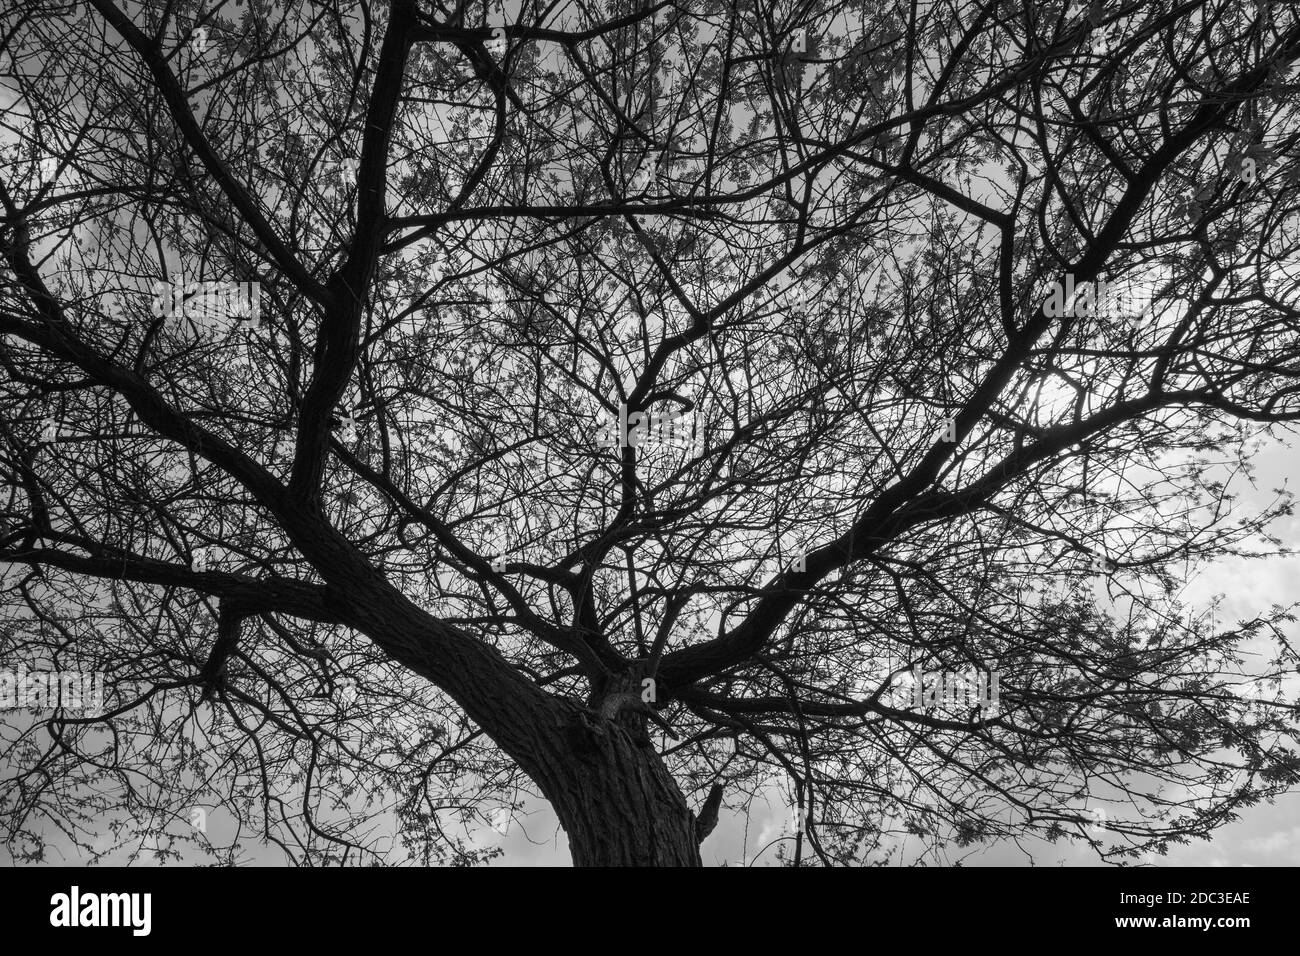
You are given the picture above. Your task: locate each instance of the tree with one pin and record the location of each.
(620, 404)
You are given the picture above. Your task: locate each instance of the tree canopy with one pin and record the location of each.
(620, 403)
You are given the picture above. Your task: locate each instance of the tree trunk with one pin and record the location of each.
(615, 798)
(613, 795)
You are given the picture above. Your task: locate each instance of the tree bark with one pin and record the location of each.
(615, 798)
(613, 795)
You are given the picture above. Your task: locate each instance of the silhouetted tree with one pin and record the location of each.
(626, 402)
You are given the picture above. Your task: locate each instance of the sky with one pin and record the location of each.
(1266, 835)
